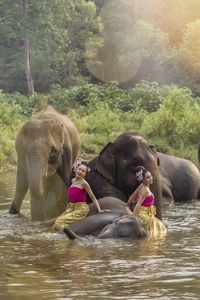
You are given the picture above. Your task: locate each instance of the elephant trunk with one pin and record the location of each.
(37, 171)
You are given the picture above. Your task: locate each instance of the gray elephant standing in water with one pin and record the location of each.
(180, 179)
(113, 171)
(47, 145)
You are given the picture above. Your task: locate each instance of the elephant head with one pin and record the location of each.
(43, 143)
(117, 163)
(130, 227)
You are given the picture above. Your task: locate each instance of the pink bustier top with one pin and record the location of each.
(76, 194)
(148, 201)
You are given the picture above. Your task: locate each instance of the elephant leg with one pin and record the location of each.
(37, 209)
(21, 190)
(168, 198)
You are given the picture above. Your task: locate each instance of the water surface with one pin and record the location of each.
(38, 264)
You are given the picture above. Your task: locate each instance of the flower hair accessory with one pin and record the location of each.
(139, 175)
(76, 165)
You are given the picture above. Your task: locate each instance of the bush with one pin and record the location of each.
(169, 117)
(177, 119)
(10, 121)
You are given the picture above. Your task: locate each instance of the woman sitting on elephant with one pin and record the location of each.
(144, 207)
(77, 207)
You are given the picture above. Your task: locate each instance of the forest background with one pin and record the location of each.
(109, 65)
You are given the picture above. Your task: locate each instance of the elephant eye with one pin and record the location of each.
(53, 155)
(53, 150)
(136, 163)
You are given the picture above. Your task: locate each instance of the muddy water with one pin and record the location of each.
(37, 264)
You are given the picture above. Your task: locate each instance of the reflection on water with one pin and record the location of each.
(37, 264)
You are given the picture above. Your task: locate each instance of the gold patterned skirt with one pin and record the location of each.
(74, 211)
(154, 226)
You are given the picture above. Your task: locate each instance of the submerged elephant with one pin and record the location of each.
(108, 224)
(180, 179)
(113, 171)
(95, 221)
(47, 145)
(130, 227)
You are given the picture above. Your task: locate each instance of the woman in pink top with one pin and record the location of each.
(77, 207)
(144, 207)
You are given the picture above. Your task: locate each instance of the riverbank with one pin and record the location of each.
(167, 116)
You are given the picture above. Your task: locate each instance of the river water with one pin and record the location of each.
(37, 264)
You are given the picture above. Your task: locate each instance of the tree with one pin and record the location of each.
(188, 57)
(133, 49)
(55, 35)
(29, 80)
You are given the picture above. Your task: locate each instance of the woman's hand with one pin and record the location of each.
(104, 210)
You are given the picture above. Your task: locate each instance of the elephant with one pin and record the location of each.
(108, 224)
(130, 227)
(47, 145)
(180, 179)
(95, 221)
(113, 170)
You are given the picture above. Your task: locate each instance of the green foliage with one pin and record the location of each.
(58, 32)
(103, 120)
(145, 95)
(91, 144)
(177, 119)
(9, 113)
(10, 121)
(188, 57)
(80, 119)
(74, 42)
(25, 103)
(166, 115)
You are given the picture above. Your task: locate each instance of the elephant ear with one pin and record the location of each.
(153, 149)
(106, 164)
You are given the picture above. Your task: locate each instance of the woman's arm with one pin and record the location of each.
(133, 196)
(144, 194)
(93, 198)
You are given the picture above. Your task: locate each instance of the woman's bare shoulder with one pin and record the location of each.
(84, 183)
(144, 190)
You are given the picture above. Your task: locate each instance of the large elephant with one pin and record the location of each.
(47, 146)
(180, 179)
(113, 170)
(108, 224)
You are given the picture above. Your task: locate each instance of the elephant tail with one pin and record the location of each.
(70, 234)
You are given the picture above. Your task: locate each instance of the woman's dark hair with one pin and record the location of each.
(140, 173)
(87, 166)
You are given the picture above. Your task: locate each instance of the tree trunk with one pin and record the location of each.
(29, 80)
